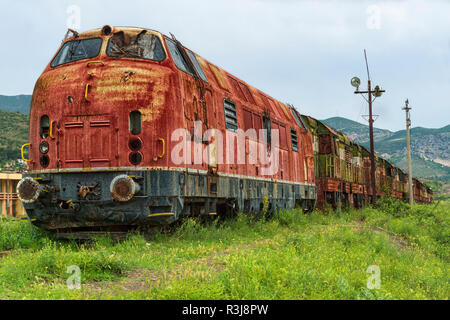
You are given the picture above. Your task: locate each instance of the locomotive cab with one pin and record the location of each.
(94, 97)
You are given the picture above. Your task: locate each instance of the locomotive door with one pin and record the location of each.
(88, 136)
(88, 141)
(215, 147)
(102, 141)
(71, 144)
(211, 123)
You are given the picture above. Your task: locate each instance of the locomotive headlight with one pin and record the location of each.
(28, 190)
(44, 147)
(123, 188)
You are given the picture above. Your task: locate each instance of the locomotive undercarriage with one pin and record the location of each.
(79, 204)
(344, 200)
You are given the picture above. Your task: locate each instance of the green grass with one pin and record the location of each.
(323, 255)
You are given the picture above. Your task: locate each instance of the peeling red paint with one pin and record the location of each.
(89, 102)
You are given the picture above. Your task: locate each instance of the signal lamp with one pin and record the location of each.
(135, 144)
(44, 147)
(135, 158)
(44, 161)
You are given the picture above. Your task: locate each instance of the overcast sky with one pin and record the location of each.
(301, 52)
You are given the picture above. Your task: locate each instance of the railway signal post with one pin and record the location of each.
(376, 92)
(408, 148)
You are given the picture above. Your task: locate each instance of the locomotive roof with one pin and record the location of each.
(98, 32)
(283, 109)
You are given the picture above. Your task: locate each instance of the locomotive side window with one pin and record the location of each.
(143, 45)
(181, 60)
(135, 122)
(230, 115)
(177, 57)
(294, 140)
(77, 50)
(44, 128)
(197, 65)
(297, 117)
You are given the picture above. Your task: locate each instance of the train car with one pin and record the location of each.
(403, 182)
(422, 193)
(342, 170)
(118, 120)
(428, 194)
(339, 167)
(394, 180)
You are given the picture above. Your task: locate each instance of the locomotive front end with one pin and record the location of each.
(97, 119)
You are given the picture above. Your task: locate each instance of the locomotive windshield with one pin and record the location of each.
(142, 46)
(77, 50)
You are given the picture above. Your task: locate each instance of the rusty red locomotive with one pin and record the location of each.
(102, 153)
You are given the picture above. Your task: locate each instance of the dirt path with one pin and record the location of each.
(142, 279)
(4, 253)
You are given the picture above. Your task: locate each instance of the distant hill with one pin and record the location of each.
(430, 147)
(356, 131)
(13, 134)
(20, 103)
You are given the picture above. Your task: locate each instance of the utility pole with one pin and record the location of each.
(372, 149)
(408, 148)
(376, 92)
